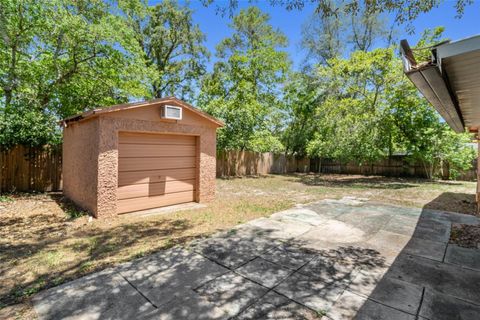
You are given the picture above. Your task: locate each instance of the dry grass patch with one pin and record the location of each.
(45, 241)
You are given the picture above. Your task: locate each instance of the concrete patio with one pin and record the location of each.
(334, 259)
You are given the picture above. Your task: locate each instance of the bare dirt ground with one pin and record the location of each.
(44, 241)
(467, 236)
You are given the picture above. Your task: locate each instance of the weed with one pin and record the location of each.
(232, 232)
(57, 281)
(321, 313)
(71, 210)
(98, 247)
(50, 259)
(74, 213)
(85, 267)
(34, 288)
(139, 254)
(6, 198)
(169, 243)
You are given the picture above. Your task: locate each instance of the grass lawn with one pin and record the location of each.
(44, 243)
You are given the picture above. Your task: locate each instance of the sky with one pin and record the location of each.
(290, 23)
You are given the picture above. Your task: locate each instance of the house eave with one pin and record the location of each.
(433, 87)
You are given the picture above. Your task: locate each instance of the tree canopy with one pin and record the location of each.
(56, 58)
(173, 47)
(365, 109)
(62, 57)
(243, 88)
(404, 11)
(349, 100)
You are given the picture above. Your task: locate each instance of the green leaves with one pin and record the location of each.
(27, 126)
(365, 109)
(349, 121)
(244, 88)
(62, 57)
(173, 48)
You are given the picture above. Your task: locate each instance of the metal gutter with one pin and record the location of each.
(428, 79)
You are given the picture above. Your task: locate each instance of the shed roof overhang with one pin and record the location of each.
(135, 105)
(450, 81)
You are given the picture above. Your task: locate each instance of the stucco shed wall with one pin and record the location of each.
(79, 165)
(152, 113)
(136, 121)
(90, 149)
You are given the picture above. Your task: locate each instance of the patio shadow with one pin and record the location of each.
(427, 279)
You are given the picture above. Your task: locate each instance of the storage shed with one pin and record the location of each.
(139, 156)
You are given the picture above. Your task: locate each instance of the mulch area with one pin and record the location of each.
(466, 235)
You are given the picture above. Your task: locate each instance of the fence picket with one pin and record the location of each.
(30, 169)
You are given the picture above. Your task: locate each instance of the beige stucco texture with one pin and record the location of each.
(91, 151)
(80, 164)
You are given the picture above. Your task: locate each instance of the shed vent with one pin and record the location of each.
(171, 112)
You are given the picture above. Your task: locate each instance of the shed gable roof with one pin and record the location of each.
(135, 105)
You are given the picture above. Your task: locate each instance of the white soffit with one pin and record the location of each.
(455, 48)
(430, 83)
(450, 81)
(463, 74)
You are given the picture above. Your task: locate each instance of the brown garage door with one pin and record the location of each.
(155, 170)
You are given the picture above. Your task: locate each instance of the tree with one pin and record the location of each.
(366, 110)
(62, 57)
(301, 98)
(172, 45)
(29, 127)
(328, 36)
(58, 58)
(243, 89)
(322, 37)
(404, 11)
(350, 120)
(455, 152)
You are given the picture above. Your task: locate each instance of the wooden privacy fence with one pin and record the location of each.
(242, 163)
(245, 163)
(39, 169)
(31, 169)
(395, 166)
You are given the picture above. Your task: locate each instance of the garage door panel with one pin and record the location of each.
(157, 163)
(152, 176)
(155, 170)
(154, 189)
(128, 205)
(145, 150)
(145, 138)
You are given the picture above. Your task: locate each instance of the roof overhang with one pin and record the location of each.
(134, 105)
(450, 81)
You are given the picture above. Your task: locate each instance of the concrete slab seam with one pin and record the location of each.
(136, 289)
(446, 247)
(421, 302)
(461, 267)
(383, 304)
